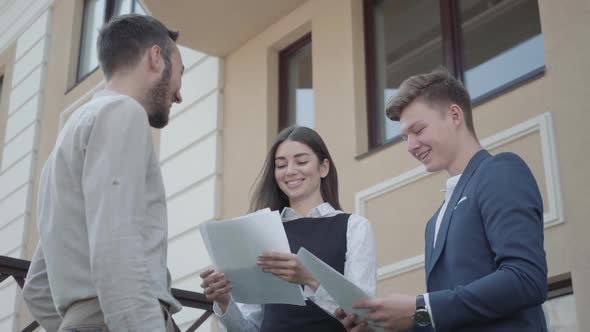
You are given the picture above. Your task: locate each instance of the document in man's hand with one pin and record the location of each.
(344, 292)
(234, 245)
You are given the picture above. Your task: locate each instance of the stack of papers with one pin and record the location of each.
(234, 246)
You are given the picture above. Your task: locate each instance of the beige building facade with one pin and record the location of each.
(234, 92)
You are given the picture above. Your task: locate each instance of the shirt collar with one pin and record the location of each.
(322, 210)
(105, 93)
(452, 182)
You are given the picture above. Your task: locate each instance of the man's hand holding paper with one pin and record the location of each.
(216, 288)
(345, 293)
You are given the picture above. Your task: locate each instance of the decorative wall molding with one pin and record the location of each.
(544, 125)
(553, 215)
(400, 267)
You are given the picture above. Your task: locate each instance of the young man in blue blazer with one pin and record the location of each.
(485, 264)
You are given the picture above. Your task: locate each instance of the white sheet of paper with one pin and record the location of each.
(234, 245)
(344, 292)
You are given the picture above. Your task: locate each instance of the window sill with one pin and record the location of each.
(379, 148)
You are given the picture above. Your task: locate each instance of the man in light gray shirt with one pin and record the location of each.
(101, 258)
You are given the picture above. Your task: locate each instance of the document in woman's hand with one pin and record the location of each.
(234, 245)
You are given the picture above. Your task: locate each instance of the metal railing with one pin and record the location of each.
(17, 269)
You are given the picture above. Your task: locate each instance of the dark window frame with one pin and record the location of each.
(371, 75)
(109, 12)
(80, 78)
(284, 55)
(451, 37)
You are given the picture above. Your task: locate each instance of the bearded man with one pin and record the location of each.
(101, 259)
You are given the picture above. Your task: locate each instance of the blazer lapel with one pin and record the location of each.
(444, 225)
(430, 226)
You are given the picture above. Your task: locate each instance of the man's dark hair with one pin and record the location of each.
(435, 88)
(122, 41)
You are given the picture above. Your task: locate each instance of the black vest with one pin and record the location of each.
(325, 238)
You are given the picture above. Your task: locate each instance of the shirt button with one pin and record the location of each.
(115, 182)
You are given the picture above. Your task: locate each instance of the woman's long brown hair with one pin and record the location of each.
(266, 190)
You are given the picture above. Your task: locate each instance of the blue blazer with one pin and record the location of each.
(488, 270)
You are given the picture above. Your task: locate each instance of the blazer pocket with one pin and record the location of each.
(464, 198)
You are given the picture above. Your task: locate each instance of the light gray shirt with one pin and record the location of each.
(102, 220)
(359, 268)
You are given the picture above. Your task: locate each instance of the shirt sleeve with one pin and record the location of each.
(37, 294)
(240, 316)
(113, 183)
(429, 309)
(359, 267)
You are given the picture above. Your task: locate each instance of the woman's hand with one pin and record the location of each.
(287, 267)
(216, 288)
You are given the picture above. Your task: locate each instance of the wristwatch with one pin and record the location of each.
(421, 316)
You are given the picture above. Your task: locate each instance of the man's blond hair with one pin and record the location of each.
(438, 87)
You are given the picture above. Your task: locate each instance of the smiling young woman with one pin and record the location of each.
(299, 179)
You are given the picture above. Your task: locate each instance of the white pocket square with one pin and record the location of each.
(461, 200)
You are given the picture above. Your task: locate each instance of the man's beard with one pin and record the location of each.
(157, 99)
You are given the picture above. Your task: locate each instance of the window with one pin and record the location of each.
(95, 14)
(490, 45)
(560, 307)
(296, 103)
(502, 42)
